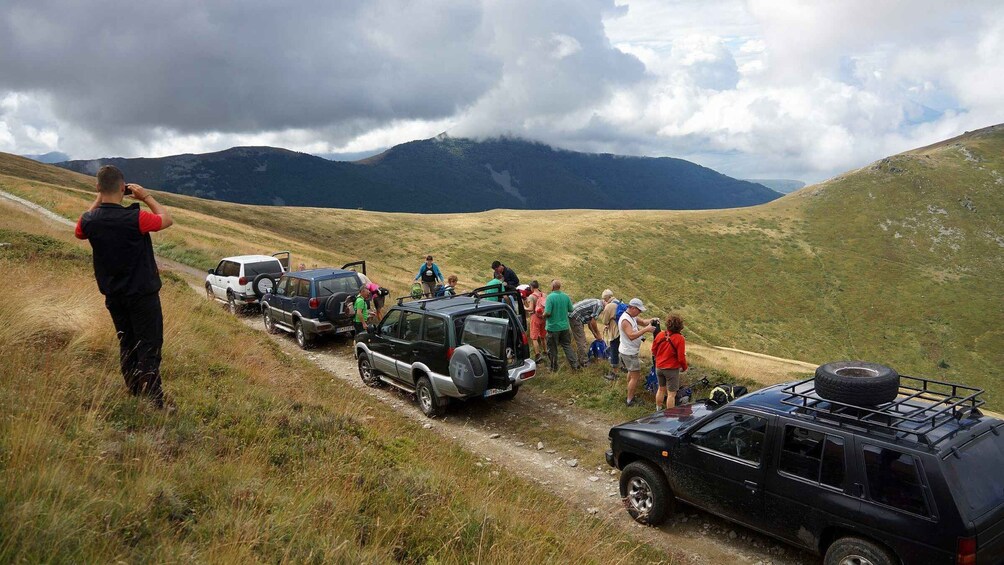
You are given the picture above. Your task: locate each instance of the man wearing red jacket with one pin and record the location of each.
(669, 349)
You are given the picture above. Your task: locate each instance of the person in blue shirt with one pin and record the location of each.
(429, 275)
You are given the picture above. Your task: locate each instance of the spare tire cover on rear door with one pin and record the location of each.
(335, 306)
(857, 382)
(262, 284)
(469, 370)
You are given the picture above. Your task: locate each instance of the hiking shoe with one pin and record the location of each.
(634, 402)
(610, 376)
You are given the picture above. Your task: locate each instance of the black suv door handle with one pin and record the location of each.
(751, 485)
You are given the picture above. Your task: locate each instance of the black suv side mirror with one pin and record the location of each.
(212, 271)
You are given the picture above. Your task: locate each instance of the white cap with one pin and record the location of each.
(637, 303)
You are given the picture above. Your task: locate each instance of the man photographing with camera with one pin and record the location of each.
(127, 275)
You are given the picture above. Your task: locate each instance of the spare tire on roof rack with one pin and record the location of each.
(857, 382)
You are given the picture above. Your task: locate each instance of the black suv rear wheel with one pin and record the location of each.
(303, 339)
(428, 402)
(857, 551)
(646, 493)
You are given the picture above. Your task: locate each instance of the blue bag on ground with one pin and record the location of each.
(597, 351)
(652, 381)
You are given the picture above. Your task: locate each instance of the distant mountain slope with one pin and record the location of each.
(50, 157)
(443, 174)
(784, 186)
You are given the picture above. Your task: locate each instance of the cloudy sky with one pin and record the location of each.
(753, 88)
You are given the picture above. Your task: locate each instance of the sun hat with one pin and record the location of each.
(637, 303)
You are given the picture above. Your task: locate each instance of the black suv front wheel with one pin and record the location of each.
(857, 551)
(266, 316)
(646, 493)
(366, 372)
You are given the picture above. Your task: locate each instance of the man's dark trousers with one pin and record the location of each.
(563, 339)
(140, 325)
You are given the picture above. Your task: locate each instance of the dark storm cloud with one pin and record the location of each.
(194, 66)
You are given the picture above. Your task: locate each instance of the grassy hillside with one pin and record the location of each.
(900, 262)
(265, 460)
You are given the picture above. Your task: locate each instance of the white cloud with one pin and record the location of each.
(800, 89)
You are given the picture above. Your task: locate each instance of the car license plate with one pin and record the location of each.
(494, 391)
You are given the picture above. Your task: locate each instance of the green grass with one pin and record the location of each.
(265, 460)
(899, 263)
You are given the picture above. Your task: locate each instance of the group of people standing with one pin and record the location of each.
(555, 322)
(617, 330)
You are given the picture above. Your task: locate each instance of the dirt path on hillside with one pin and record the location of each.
(484, 428)
(479, 427)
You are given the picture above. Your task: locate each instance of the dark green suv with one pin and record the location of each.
(456, 347)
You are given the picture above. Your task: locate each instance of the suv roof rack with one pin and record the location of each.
(923, 406)
(477, 294)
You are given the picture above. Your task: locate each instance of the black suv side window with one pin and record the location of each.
(893, 479)
(390, 323)
(734, 434)
(411, 326)
(435, 330)
(813, 456)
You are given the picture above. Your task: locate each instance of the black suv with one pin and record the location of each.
(472, 345)
(312, 303)
(916, 478)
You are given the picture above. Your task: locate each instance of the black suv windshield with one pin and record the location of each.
(252, 270)
(973, 470)
(348, 283)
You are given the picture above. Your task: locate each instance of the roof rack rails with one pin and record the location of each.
(477, 294)
(923, 406)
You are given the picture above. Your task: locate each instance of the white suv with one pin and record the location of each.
(233, 280)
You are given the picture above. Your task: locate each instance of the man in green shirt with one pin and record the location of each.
(498, 284)
(360, 321)
(557, 307)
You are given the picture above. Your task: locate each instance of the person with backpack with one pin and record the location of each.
(430, 275)
(632, 330)
(378, 298)
(585, 313)
(670, 351)
(556, 309)
(608, 320)
(534, 304)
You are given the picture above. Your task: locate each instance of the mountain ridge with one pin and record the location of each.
(441, 175)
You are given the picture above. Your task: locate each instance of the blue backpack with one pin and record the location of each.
(597, 351)
(621, 308)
